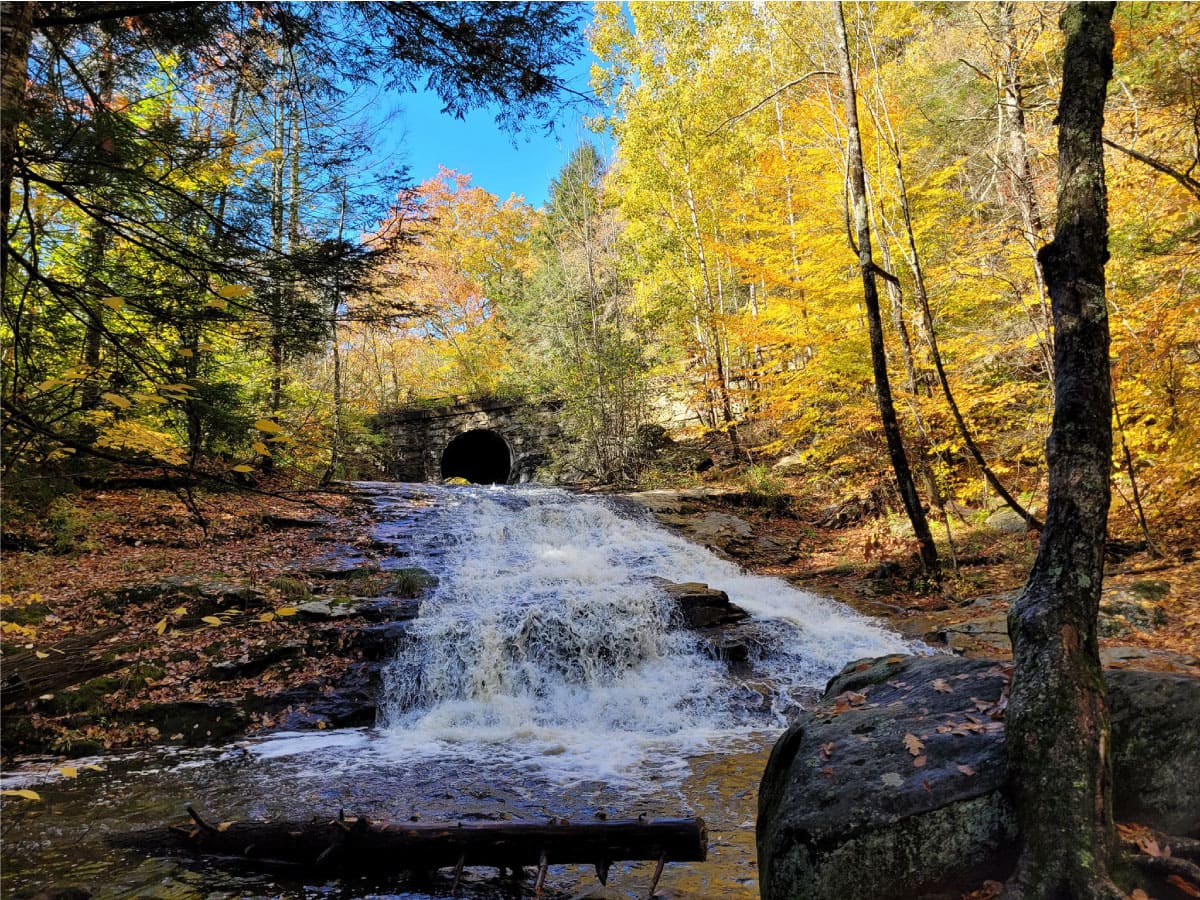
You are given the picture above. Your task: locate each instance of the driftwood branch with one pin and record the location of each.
(359, 845)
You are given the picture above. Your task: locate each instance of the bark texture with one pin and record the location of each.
(883, 388)
(1060, 764)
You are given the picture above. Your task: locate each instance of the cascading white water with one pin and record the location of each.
(548, 637)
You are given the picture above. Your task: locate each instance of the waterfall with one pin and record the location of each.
(548, 634)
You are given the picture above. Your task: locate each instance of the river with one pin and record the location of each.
(545, 677)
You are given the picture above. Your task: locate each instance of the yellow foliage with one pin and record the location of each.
(133, 437)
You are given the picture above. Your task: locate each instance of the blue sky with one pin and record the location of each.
(422, 137)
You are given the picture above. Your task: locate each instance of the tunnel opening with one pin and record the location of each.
(479, 456)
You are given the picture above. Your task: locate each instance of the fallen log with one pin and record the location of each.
(33, 672)
(390, 847)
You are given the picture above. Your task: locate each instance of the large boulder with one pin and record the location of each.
(895, 785)
(1006, 521)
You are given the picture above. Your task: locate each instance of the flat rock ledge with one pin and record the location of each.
(894, 786)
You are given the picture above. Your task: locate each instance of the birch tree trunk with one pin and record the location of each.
(1019, 173)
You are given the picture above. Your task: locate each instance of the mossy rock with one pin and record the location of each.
(410, 583)
(404, 584)
(192, 721)
(291, 588)
(88, 698)
(845, 811)
(1122, 614)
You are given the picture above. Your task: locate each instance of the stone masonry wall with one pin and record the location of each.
(418, 436)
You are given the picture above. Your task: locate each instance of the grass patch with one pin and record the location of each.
(291, 588)
(404, 584)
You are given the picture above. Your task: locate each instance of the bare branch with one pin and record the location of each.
(771, 96)
(108, 13)
(1191, 185)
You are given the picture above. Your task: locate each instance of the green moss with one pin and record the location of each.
(402, 583)
(147, 671)
(76, 744)
(408, 583)
(291, 588)
(88, 697)
(70, 528)
(29, 614)
(1150, 589)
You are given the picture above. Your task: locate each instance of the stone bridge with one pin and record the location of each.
(483, 441)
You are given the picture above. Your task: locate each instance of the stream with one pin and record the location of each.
(545, 677)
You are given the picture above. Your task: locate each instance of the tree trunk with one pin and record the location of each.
(713, 332)
(16, 34)
(883, 390)
(278, 205)
(1060, 767)
(335, 307)
(896, 302)
(99, 239)
(935, 355)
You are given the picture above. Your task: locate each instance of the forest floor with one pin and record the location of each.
(90, 640)
(94, 660)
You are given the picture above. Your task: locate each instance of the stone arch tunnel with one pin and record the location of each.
(483, 441)
(480, 456)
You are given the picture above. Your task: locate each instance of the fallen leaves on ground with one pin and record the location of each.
(23, 793)
(139, 536)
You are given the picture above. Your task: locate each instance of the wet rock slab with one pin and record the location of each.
(212, 593)
(684, 511)
(699, 606)
(894, 787)
(341, 565)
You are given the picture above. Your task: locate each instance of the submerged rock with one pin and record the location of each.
(739, 645)
(894, 787)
